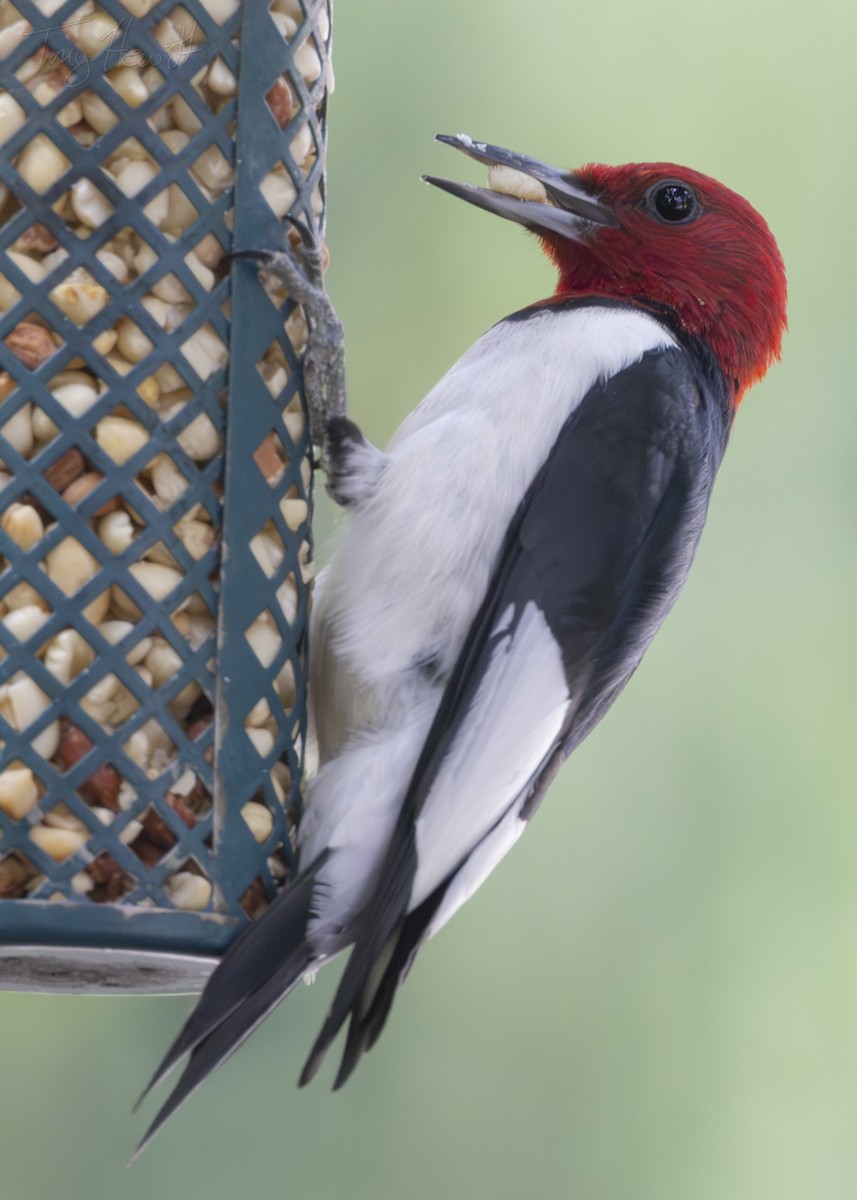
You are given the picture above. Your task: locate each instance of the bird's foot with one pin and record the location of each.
(301, 271)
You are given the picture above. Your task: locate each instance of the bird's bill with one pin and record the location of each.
(542, 198)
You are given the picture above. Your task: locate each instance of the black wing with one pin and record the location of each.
(599, 547)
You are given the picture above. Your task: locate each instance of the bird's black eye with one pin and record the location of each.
(674, 202)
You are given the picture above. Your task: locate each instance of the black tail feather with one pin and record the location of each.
(375, 1008)
(349, 997)
(355, 1041)
(370, 1007)
(256, 972)
(409, 941)
(226, 1038)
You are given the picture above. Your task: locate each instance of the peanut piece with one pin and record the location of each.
(21, 703)
(12, 116)
(79, 297)
(77, 492)
(18, 430)
(41, 164)
(60, 844)
(188, 891)
(22, 523)
(67, 655)
(89, 205)
(259, 819)
(14, 877)
(19, 792)
(67, 468)
(281, 102)
(70, 566)
(31, 343)
(36, 239)
(121, 437)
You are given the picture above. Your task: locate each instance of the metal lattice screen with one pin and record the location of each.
(155, 479)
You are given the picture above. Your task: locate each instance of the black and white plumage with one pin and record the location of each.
(579, 573)
(507, 561)
(439, 726)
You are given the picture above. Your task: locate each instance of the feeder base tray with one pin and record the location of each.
(93, 970)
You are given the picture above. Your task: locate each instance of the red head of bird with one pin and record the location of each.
(654, 234)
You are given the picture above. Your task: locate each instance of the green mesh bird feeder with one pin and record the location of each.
(155, 479)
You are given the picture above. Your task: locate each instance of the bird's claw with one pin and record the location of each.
(311, 250)
(301, 271)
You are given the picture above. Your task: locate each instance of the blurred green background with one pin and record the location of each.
(655, 996)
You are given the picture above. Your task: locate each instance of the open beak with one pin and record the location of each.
(542, 198)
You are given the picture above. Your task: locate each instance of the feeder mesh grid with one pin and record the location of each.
(156, 483)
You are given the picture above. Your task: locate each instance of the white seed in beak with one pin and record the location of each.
(515, 183)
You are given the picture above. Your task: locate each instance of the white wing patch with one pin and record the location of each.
(417, 557)
(352, 808)
(408, 577)
(491, 850)
(505, 737)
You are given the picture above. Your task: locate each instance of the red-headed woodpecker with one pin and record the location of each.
(508, 560)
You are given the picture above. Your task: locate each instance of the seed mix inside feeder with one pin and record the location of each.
(155, 479)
